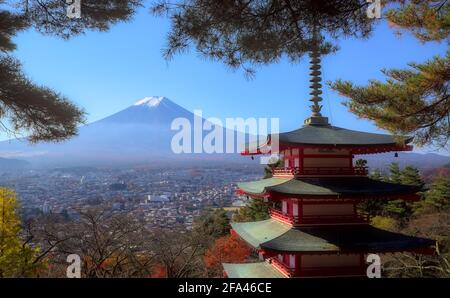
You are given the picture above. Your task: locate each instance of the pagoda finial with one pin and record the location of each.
(315, 75)
(316, 79)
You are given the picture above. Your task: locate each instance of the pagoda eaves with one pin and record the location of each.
(330, 137)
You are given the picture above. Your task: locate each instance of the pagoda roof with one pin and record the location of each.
(325, 186)
(328, 238)
(252, 270)
(327, 135)
(265, 230)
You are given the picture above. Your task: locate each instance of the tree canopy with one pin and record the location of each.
(248, 33)
(17, 257)
(414, 100)
(26, 108)
(254, 210)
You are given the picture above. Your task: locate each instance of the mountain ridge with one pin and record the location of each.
(139, 133)
(142, 133)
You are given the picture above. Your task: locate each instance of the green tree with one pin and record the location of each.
(437, 199)
(211, 224)
(414, 100)
(17, 258)
(395, 175)
(255, 210)
(39, 112)
(400, 209)
(377, 175)
(411, 176)
(373, 207)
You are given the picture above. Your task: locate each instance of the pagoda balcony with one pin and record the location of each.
(282, 267)
(317, 219)
(319, 171)
(280, 216)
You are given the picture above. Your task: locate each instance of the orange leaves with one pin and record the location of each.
(226, 249)
(159, 271)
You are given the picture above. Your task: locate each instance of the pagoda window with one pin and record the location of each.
(292, 261)
(260, 255)
(284, 207)
(296, 157)
(295, 209)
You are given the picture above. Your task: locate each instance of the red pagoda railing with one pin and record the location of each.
(283, 268)
(317, 219)
(278, 215)
(305, 171)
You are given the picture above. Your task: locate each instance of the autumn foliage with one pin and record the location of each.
(226, 249)
(159, 271)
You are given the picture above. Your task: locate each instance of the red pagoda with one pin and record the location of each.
(315, 229)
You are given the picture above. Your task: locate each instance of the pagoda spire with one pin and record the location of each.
(316, 79)
(315, 75)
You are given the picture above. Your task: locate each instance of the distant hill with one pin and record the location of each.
(141, 134)
(12, 164)
(425, 162)
(429, 174)
(138, 134)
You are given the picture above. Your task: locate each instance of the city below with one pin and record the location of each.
(157, 197)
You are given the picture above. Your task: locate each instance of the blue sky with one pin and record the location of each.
(106, 72)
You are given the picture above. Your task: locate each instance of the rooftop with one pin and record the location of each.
(326, 186)
(326, 238)
(252, 270)
(311, 135)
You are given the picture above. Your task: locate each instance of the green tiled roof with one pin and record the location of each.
(258, 187)
(328, 135)
(274, 235)
(255, 233)
(252, 270)
(332, 135)
(323, 186)
(338, 238)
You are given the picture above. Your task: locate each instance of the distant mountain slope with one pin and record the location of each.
(141, 132)
(422, 161)
(11, 163)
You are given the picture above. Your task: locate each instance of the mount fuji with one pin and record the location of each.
(139, 133)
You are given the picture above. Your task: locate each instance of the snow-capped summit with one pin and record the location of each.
(154, 110)
(151, 101)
